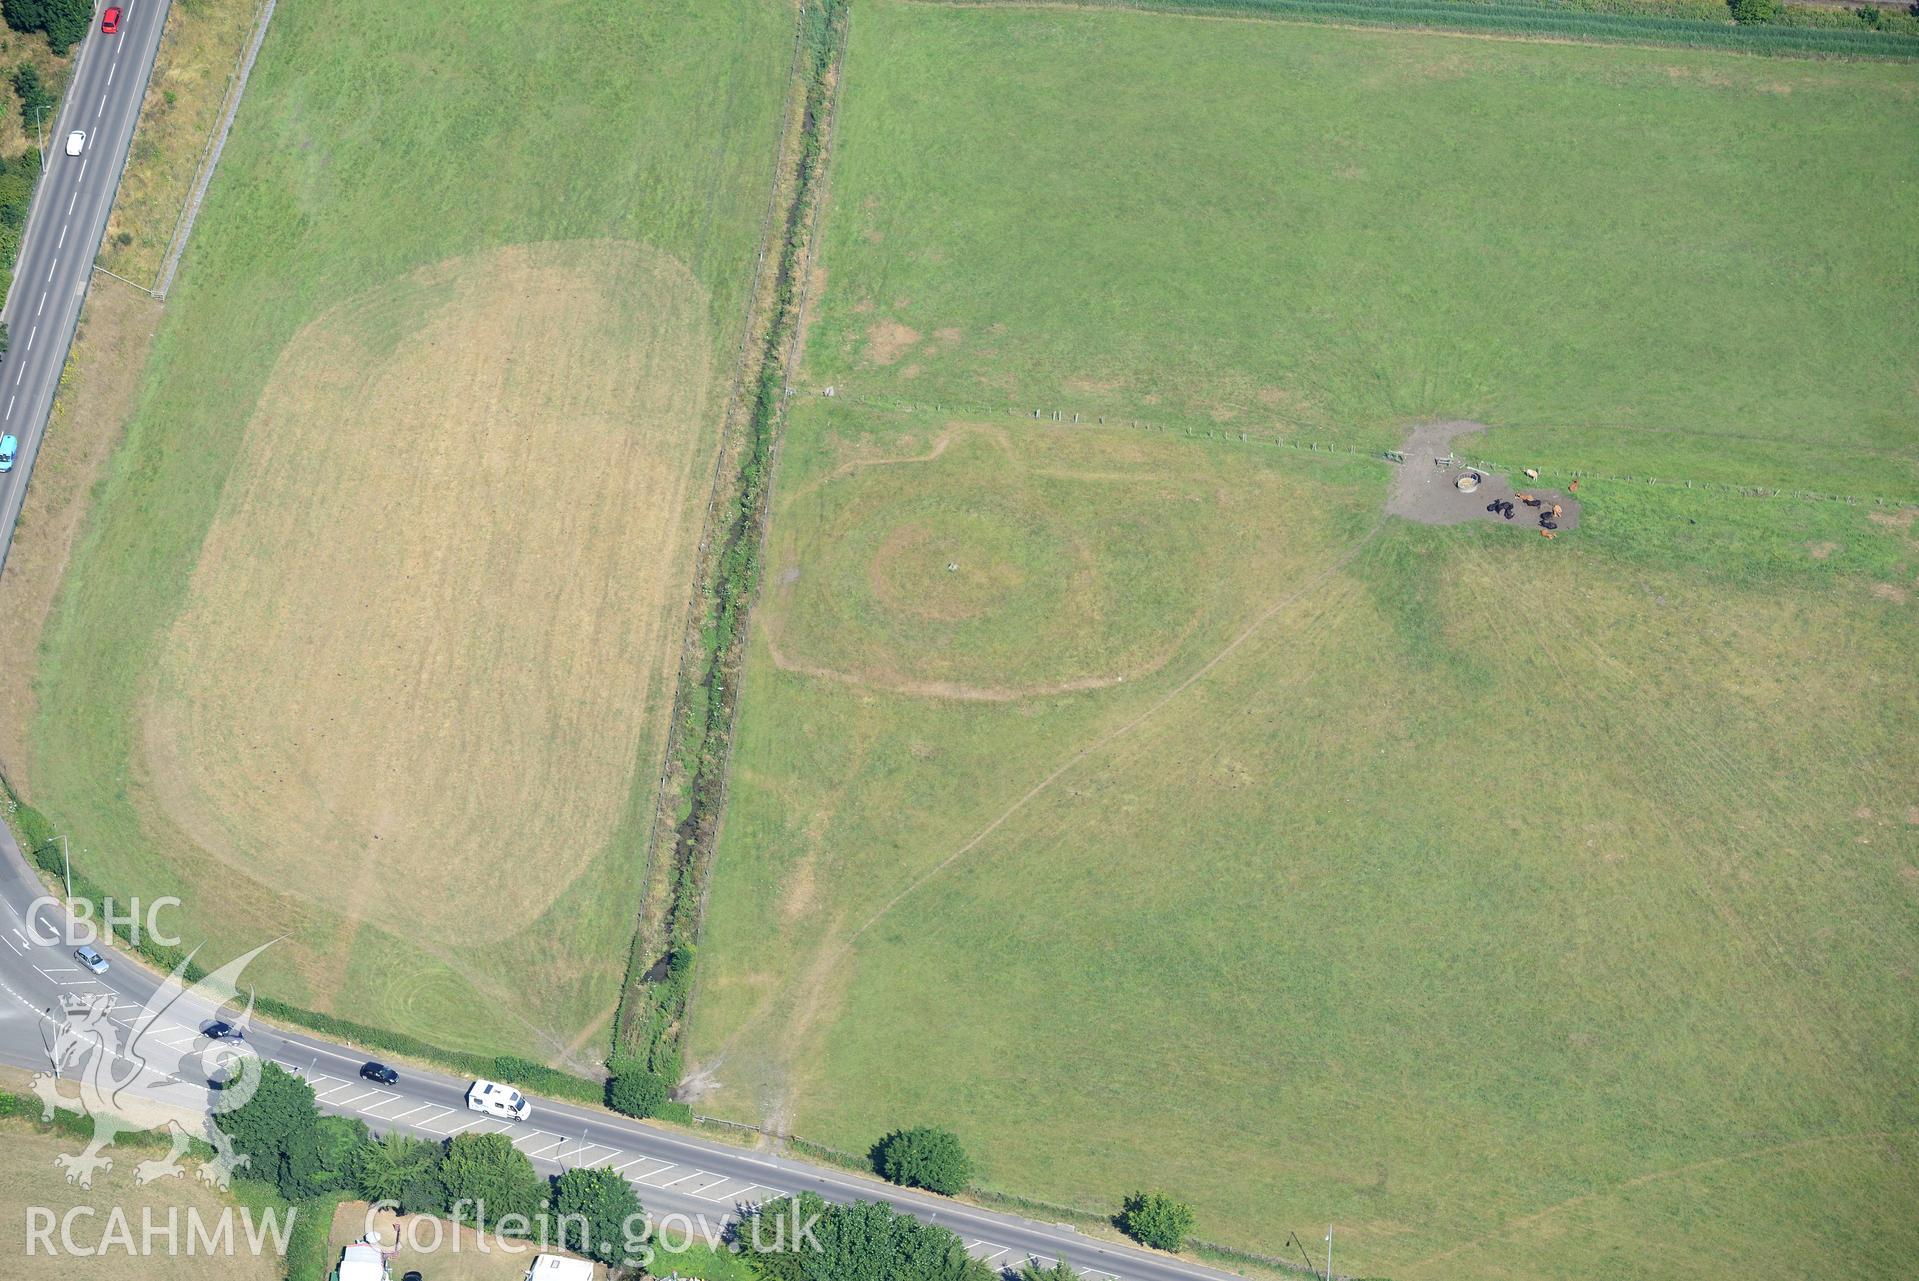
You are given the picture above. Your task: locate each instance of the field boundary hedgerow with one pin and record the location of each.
(1275, 440)
(659, 979)
(1518, 20)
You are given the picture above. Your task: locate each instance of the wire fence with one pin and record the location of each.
(1272, 438)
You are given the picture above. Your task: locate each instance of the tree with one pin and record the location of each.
(636, 1090)
(278, 1132)
(487, 1179)
(1060, 1271)
(924, 1157)
(1749, 11)
(1155, 1219)
(6, 340)
(401, 1170)
(865, 1241)
(600, 1215)
(65, 22)
(36, 100)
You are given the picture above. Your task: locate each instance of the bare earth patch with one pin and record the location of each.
(439, 599)
(887, 341)
(1426, 492)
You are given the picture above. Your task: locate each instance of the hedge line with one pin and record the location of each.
(1552, 20)
(653, 1008)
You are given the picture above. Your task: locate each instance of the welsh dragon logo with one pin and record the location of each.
(132, 1074)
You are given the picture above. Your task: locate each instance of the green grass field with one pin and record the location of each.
(1525, 909)
(1614, 255)
(371, 636)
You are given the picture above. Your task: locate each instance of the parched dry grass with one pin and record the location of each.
(28, 1178)
(437, 602)
(96, 395)
(192, 76)
(101, 380)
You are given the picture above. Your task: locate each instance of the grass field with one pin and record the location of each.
(1525, 909)
(370, 636)
(1612, 254)
(29, 1179)
(192, 75)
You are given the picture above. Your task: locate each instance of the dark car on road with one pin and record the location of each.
(379, 1072)
(221, 1030)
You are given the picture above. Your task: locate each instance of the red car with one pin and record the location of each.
(110, 21)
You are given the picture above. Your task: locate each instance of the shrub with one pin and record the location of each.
(861, 1240)
(1155, 1219)
(36, 100)
(401, 1170)
(924, 1158)
(1752, 11)
(65, 22)
(636, 1090)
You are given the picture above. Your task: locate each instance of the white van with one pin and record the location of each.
(495, 1099)
(557, 1267)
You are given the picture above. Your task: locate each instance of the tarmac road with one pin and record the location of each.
(64, 230)
(675, 1172)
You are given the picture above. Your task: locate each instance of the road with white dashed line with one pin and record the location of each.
(64, 230)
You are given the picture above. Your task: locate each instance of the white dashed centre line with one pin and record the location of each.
(63, 237)
(110, 70)
(56, 263)
(71, 201)
(31, 336)
(102, 107)
(43, 304)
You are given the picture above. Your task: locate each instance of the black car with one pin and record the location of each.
(221, 1030)
(378, 1072)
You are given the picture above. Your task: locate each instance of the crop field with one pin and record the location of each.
(1169, 817)
(370, 638)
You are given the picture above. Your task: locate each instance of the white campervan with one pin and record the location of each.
(495, 1099)
(557, 1267)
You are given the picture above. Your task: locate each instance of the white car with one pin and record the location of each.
(76, 142)
(497, 1100)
